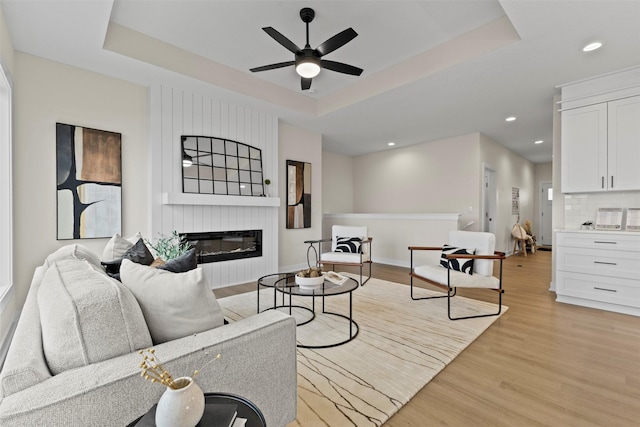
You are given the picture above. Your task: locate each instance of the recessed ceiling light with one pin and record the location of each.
(538, 141)
(510, 119)
(391, 143)
(592, 46)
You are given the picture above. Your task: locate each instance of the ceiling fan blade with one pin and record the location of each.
(281, 39)
(272, 66)
(337, 41)
(305, 83)
(340, 67)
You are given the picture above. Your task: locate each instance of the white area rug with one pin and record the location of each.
(402, 344)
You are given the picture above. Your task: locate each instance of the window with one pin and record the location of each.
(220, 166)
(6, 199)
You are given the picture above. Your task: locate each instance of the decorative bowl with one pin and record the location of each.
(309, 282)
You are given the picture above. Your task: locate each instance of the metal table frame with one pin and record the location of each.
(286, 285)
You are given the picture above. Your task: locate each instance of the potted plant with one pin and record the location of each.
(266, 190)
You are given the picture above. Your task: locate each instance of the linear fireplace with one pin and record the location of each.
(214, 246)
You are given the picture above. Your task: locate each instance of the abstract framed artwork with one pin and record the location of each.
(298, 194)
(89, 182)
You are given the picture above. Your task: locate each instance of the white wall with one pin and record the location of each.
(47, 92)
(337, 183)
(8, 307)
(512, 171)
(434, 177)
(442, 176)
(303, 146)
(177, 111)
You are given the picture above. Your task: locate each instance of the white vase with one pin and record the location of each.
(180, 407)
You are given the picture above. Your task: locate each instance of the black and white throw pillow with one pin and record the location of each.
(463, 265)
(349, 244)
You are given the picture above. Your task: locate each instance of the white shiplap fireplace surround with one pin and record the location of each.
(175, 112)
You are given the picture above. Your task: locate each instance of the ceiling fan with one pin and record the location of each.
(308, 62)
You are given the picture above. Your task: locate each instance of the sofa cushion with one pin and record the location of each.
(87, 317)
(174, 304)
(75, 251)
(458, 279)
(25, 365)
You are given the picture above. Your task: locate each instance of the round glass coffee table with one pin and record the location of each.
(269, 281)
(287, 286)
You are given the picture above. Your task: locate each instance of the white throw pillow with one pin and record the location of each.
(117, 246)
(174, 305)
(86, 316)
(115, 249)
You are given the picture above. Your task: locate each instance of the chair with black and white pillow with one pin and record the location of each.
(350, 246)
(466, 261)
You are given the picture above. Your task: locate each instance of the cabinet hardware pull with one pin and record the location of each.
(611, 181)
(609, 243)
(604, 289)
(602, 184)
(607, 263)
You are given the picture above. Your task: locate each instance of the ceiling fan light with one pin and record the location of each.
(308, 68)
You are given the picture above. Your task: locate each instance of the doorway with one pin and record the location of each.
(545, 231)
(489, 200)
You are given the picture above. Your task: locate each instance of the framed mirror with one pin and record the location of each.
(221, 166)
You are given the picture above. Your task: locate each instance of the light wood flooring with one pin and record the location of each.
(541, 363)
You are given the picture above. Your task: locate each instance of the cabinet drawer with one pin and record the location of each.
(600, 262)
(599, 288)
(600, 240)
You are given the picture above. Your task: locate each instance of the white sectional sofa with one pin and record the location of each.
(40, 384)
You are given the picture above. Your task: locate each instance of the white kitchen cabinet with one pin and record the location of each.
(623, 154)
(601, 147)
(599, 270)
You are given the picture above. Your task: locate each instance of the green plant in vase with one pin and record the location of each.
(169, 247)
(266, 191)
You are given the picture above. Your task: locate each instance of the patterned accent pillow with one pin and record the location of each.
(349, 244)
(463, 265)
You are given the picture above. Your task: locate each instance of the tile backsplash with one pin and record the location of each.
(582, 207)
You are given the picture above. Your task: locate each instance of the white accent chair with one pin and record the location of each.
(448, 279)
(356, 258)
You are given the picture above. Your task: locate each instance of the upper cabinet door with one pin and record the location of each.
(624, 144)
(584, 149)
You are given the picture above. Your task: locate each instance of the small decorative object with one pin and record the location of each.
(633, 219)
(182, 406)
(609, 219)
(182, 403)
(310, 278)
(335, 278)
(267, 182)
(170, 247)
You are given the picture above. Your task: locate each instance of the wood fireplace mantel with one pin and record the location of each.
(217, 200)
